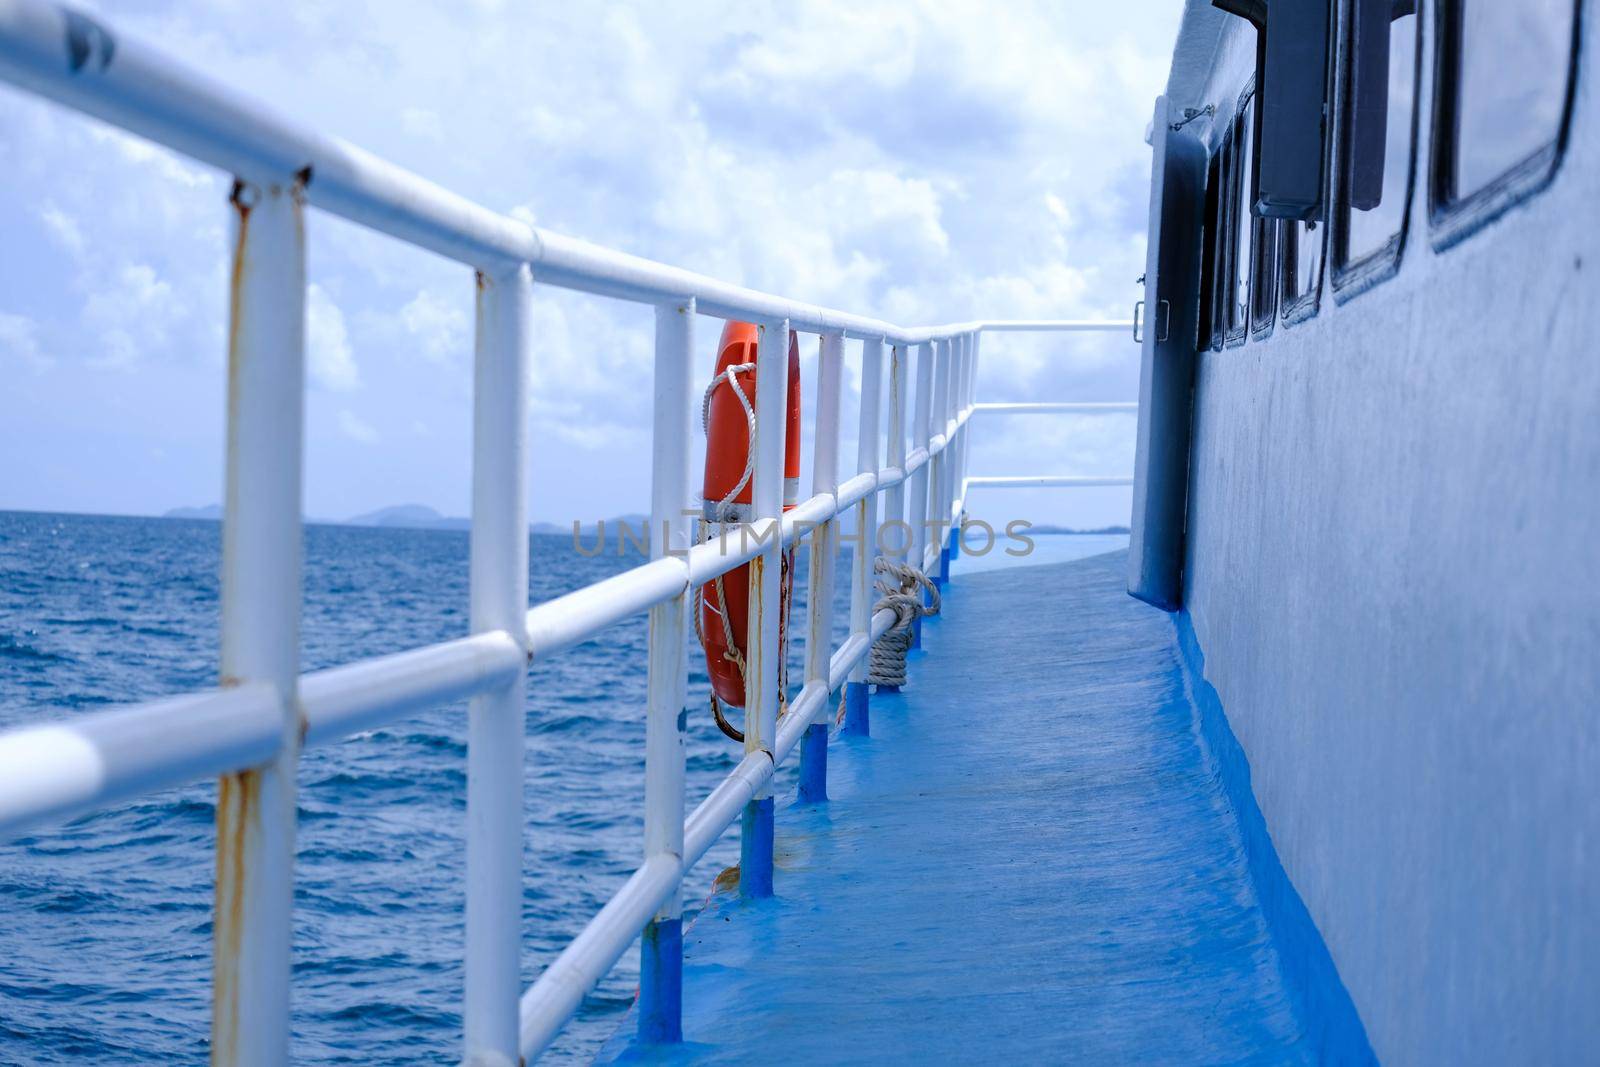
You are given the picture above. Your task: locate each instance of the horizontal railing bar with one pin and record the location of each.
(1055, 409)
(145, 92)
(551, 1000)
(57, 770)
(577, 616)
(54, 771)
(718, 810)
(1057, 326)
(856, 489)
(50, 772)
(801, 713)
(889, 477)
(916, 459)
(1040, 481)
(345, 700)
(848, 655)
(882, 621)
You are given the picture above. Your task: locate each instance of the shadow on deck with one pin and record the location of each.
(1034, 858)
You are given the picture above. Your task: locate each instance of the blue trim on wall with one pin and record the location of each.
(661, 983)
(1308, 968)
(814, 765)
(755, 850)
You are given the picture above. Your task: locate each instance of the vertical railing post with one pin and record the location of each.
(958, 447)
(894, 498)
(969, 397)
(762, 670)
(261, 533)
(969, 394)
(939, 485)
(813, 787)
(857, 720)
(495, 727)
(661, 947)
(917, 510)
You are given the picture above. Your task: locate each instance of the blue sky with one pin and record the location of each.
(920, 162)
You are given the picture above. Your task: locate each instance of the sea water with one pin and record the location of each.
(105, 944)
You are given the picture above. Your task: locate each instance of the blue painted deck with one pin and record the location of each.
(1033, 859)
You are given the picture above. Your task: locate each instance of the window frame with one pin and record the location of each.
(1222, 245)
(1297, 309)
(1241, 196)
(1263, 231)
(1351, 278)
(1211, 224)
(1453, 221)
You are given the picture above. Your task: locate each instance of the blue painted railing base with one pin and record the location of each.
(857, 722)
(661, 983)
(755, 849)
(813, 788)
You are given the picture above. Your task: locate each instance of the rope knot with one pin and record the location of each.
(899, 588)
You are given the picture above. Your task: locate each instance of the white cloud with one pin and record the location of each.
(356, 429)
(63, 227)
(438, 327)
(133, 312)
(927, 160)
(19, 342)
(331, 364)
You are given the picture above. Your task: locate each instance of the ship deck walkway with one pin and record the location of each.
(1032, 859)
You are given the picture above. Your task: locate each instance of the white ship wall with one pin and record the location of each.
(1394, 574)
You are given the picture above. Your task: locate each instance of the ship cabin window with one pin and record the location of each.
(1252, 238)
(1217, 291)
(1505, 73)
(1302, 261)
(1378, 124)
(1302, 245)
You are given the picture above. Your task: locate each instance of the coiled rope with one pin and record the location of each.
(898, 584)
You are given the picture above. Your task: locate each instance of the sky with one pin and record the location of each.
(920, 162)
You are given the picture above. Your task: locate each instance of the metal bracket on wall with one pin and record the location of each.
(1163, 321)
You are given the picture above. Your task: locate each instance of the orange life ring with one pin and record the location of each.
(724, 608)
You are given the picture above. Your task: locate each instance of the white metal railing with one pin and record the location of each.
(249, 732)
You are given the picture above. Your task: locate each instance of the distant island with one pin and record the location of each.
(410, 517)
(1047, 529)
(209, 511)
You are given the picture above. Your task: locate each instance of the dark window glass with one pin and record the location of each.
(1302, 253)
(1367, 232)
(1266, 262)
(1244, 221)
(1511, 60)
(1222, 292)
